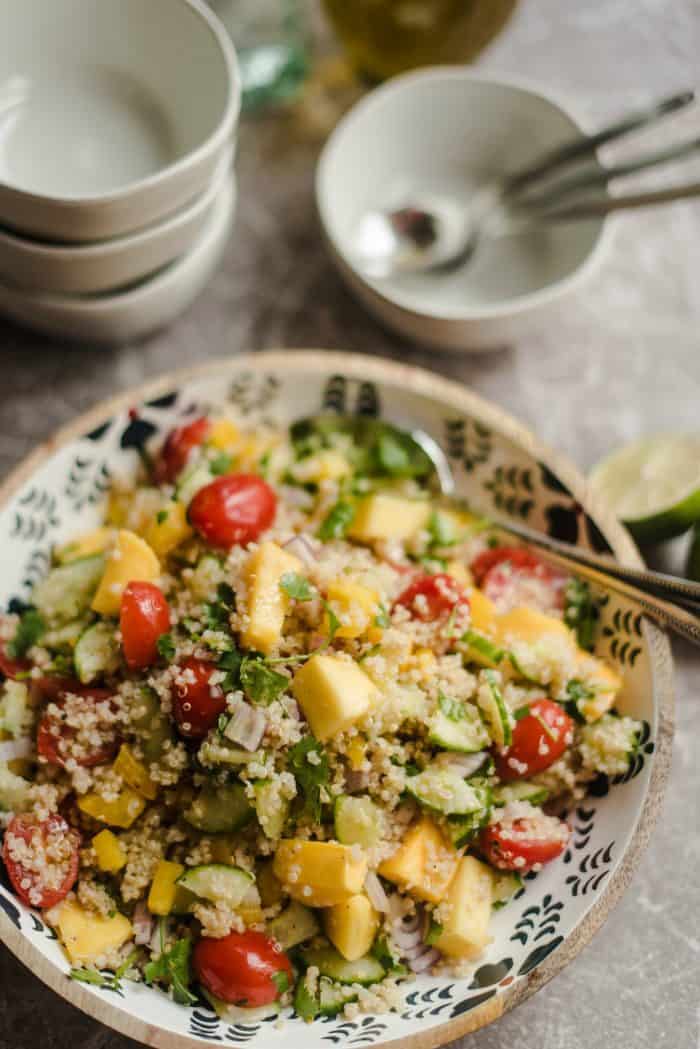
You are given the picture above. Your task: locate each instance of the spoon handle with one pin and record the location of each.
(588, 144)
(588, 209)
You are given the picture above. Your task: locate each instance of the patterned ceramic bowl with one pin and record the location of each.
(59, 489)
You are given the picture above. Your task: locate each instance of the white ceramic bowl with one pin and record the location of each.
(446, 131)
(138, 310)
(113, 114)
(81, 269)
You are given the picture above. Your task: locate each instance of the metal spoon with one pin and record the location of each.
(433, 233)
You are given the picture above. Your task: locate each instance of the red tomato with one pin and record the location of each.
(244, 968)
(524, 843)
(54, 737)
(539, 739)
(512, 575)
(432, 597)
(177, 449)
(233, 510)
(144, 616)
(12, 667)
(55, 846)
(197, 704)
(49, 687)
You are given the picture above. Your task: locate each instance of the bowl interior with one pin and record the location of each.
(445, 133)
(95, 97)
(558, 910)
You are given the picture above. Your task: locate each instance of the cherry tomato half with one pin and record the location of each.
(539, 739)
(197, 704)
(432, 597)
(524, 843)
(12, 667)
(50, 874)
(55, 739)
(511, 576)
(233, 509)
(178, 446)
(244, 968)
(143, 617)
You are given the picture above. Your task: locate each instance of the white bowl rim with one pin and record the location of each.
(508, 307)
(213, 142)
(102, 249)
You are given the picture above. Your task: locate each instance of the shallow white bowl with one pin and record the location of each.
(80, 269)
(446, 131)
(113, 114)
(136, 311)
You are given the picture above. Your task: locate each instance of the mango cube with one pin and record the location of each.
(356, 607)
(468, 911)
(111, 856)
(333, 693)
(459, 572)
(134, 773)
(483, 612)
(164, 890)
(95, 542)
(223, 435)
(384, 516)
(529, 626)
(131, 560)
(424, 863)
(351, 926)
(86, 935)
(168, 528)
(330, 871)
(122, 812)
(327, 465)
(268, 604)
(605, 681)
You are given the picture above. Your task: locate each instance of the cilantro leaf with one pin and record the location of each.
(281, 982)
(297, 586)
(522, 712)
(172, 968)
(333, 623)
(384, 952)
(311, 776)
(220, 464)
(166, 647)
(230, 662)
(337, 521)
(162, 517)
(217, 613)
(260, 682)
(580, 612)
(577, 693)
(29, 629)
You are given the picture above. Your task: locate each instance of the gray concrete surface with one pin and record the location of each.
(624, 359)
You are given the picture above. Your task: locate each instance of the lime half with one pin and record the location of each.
(653, 486)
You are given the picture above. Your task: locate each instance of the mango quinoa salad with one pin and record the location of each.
(282, 731)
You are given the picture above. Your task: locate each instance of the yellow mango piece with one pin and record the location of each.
(384, 516)
(134, 773)
(268, 604)
(330, 871)
(459, 572)
(122, 812)
(468, 911)
(327, 465)
(333, 693)
(601, 677)
(355, 753)
(168, 528)
(95, 542)
(483, 611)
(131, 560)
(164, 890)
(424, 862)
(86, 935)
(351, 926)
(529, 626)
(356, 607)
(111, 856)
(223, 435)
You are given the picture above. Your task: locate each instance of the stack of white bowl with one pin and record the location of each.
(117, 125)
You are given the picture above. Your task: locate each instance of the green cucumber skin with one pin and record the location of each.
(330, 963)
(220, 810)
(195, 878)
(452, 735)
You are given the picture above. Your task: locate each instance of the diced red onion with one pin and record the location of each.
(375, 891)
(142, 922)
(304, 548)
(12, 749)
(424, 961)
(296, 496)
(411, 922)
(407, 941)
(246, 726)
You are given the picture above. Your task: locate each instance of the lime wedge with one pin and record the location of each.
(653, 486)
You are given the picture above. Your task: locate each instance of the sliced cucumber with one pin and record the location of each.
(218, 882)
(330, 963)
(457, 726)
(504, 889)
(520, 790)
(271, 808)
(67, 590)
(480, 649)
(191, 480)
(224, 754)
(96, 653)
(307, 1005)
(14, 791)
(358, 821)
(293, 926)
(444, 791)
(152, 725)
(64, 638)
(333, 997)
(15, 713)
(220, 809)
(463, 829)
(495, 712)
